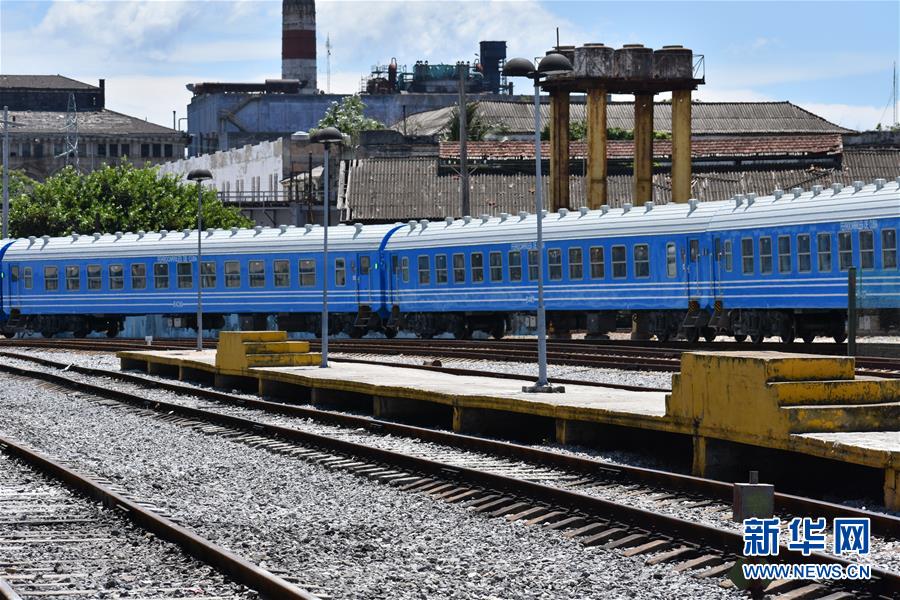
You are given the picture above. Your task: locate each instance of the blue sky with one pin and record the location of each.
(834, 58)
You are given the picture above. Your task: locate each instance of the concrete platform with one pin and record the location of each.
(804, 404)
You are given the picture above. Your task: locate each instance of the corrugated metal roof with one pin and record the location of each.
(387, 189)
(90, 122)
(798, 145)
(707, 118)
(43, 82)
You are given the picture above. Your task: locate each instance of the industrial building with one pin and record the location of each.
(227, 115)
(57, 121)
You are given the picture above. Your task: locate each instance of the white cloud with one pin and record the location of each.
(368, 32)
(852, 116)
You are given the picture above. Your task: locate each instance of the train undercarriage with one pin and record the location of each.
(691, 325)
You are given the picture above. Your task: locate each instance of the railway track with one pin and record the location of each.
(560, 492)
(97, 541)
(586, 353)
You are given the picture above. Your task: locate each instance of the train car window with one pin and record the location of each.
(619, 256)
(364, 265)
(161, 276)
(554, 262)
(138, 276)
(440, 268)
(695, 249)
(208, 274)
(823, 250)
(257, 270)
(515, 265)
(184, 272)
(532, 265)
(765, 255)
(459, 268)
(597, 267)
(14, 274)
(866, 249)
(477, 262)
(282, 271)
(51, 279)
(93, 277)
(232, 274)
(747, 256)
(424, 270)
(116, 277)
(576, 263)
(404, 269)
(728, 251)
(28, 279)
(495, 260)
(307, 272)
(888, 252)
(642, 260)
(845, 250)
(73, 278)
(671, 260)
(340, 272)
(804, 253)
(784, 254)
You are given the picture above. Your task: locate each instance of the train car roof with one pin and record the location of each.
(256, 241)
(794, 207)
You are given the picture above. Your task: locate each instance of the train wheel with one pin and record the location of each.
(664, 336)
(709, 334)
(498, 330)
(740, 337)
(757, 339)
(692, 335)
(81, 333)
(788, 337)
(112, 331)
(357, 332)
(840, 338)
(47, 333)
(390, 332)
(9, 334)
(809, 338)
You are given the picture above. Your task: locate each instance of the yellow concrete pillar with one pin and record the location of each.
(643, 148)
(698, 464)
(892, 489)
(596, 148)
(681, 145)
(559, 150)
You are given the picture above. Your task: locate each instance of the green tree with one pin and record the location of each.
(121, 198)
(477, 127)
(347, 116)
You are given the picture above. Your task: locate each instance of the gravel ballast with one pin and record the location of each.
(86, 551)
(346, 535)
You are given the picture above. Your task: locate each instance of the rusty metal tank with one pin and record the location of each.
(633, 61)
(673, 62)
(594, 60)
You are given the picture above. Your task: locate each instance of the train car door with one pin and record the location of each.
(694, 267)
(364, 279)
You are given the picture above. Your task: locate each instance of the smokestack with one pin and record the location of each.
(298, 43)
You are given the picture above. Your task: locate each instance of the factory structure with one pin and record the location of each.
(227, 115)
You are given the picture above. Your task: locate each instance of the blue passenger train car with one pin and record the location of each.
(749, 266)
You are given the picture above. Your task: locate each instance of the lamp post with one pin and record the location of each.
(325, 136)
(552, 64)
(199, 175)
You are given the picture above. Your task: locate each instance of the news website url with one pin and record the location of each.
(806, 571)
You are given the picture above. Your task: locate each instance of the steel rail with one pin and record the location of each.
(697, 534)
(882, 524)
(232, 565)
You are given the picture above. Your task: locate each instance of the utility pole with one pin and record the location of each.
(5, 173)
(463, 138)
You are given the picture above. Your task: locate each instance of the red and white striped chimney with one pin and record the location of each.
(298, 42)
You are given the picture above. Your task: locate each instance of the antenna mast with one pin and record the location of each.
(328, 62)
(895, 94)
(71, 149)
